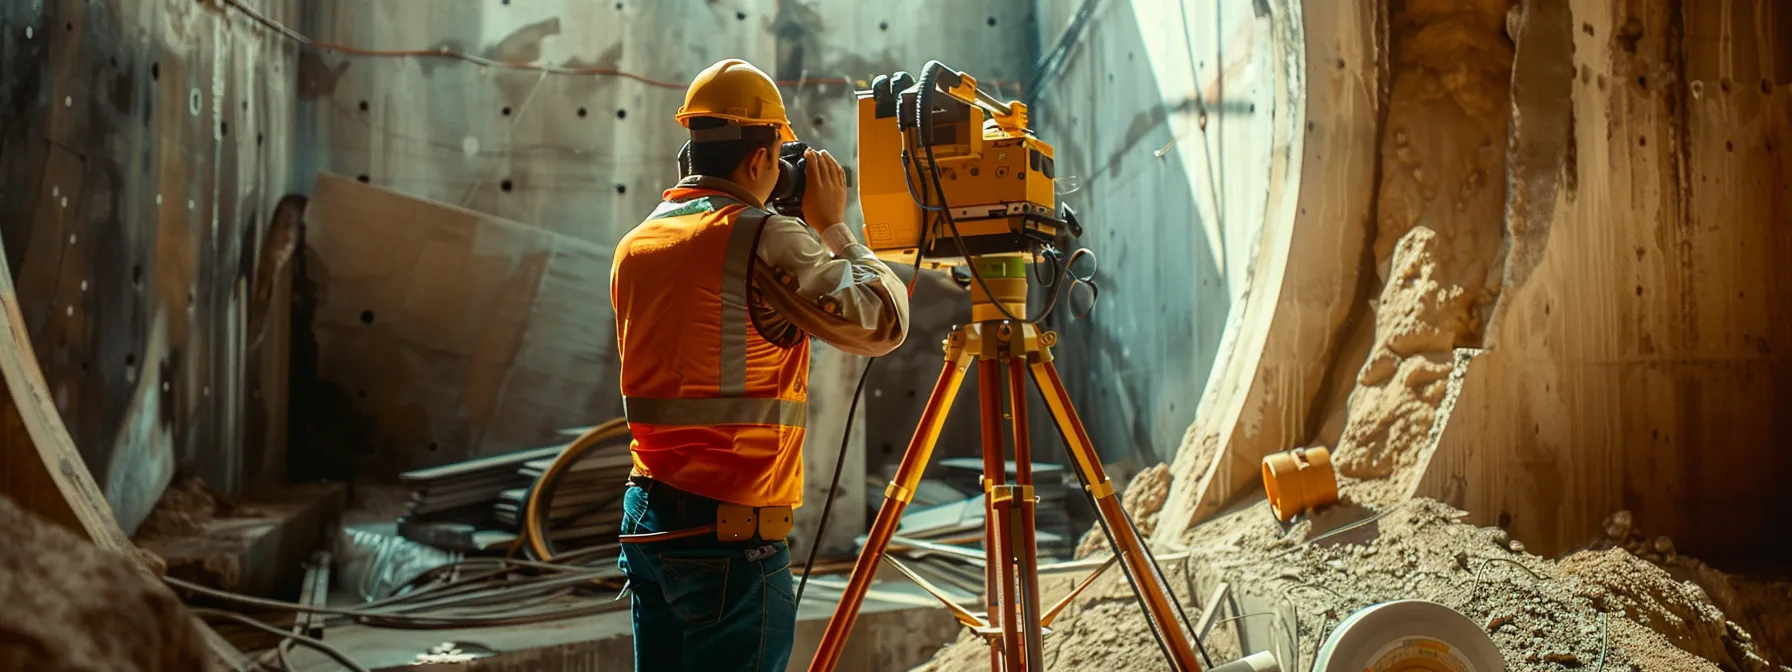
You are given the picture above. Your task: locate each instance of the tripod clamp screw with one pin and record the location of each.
(1048, 338)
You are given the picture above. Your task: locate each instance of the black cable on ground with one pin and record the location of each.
(326, 649)
(1602, 642)
(400, 620)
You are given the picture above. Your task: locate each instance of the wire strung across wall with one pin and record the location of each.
(446, 52)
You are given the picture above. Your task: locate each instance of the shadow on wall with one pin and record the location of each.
(1137, 364)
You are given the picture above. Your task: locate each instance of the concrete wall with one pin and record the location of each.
(1638, 357)
(143, 146)
(587, 155)
(1267, 390)
(1596, 331)
(1164, 113)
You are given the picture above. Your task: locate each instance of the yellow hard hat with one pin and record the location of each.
(733, 89)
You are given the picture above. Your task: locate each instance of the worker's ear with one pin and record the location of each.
(763, 162)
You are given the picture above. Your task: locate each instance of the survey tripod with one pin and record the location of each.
(1013, 622)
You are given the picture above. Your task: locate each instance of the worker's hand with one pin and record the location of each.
(824, 194)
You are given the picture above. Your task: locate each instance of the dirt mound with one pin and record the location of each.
(1762, 608)
(1627, 587)
(1144, 498)
(71, 606)
(1597, 609)
(185, 508)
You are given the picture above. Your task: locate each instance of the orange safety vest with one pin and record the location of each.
(715, 408)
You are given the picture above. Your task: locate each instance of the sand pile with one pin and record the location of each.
(1760, 607)
(1607, 607)
(1144, 497)
(1419, 321)
(1438, 234)
(71, 606)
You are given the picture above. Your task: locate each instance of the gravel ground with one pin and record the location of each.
(1595, 610)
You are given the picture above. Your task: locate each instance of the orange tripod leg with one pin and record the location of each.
(997, 510)
(896, 498)
(1024, 537)
(1135, 558)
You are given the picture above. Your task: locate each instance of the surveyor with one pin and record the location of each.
(716, 297)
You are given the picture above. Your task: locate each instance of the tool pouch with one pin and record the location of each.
(739, 523)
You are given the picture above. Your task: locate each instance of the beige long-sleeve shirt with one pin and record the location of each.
(828, 286)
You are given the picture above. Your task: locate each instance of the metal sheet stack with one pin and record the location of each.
(453, 503)
(1050, 485)
(940, 537)
(464, 492)
(586, 505)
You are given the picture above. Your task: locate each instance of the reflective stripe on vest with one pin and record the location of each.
(730, 406)
(720, 411)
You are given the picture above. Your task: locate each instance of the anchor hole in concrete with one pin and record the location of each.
(366, 317)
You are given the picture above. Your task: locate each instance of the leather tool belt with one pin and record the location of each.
(734, 522)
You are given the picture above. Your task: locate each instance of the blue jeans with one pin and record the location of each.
(700, 603)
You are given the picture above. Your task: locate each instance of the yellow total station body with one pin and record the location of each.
(994, 176)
